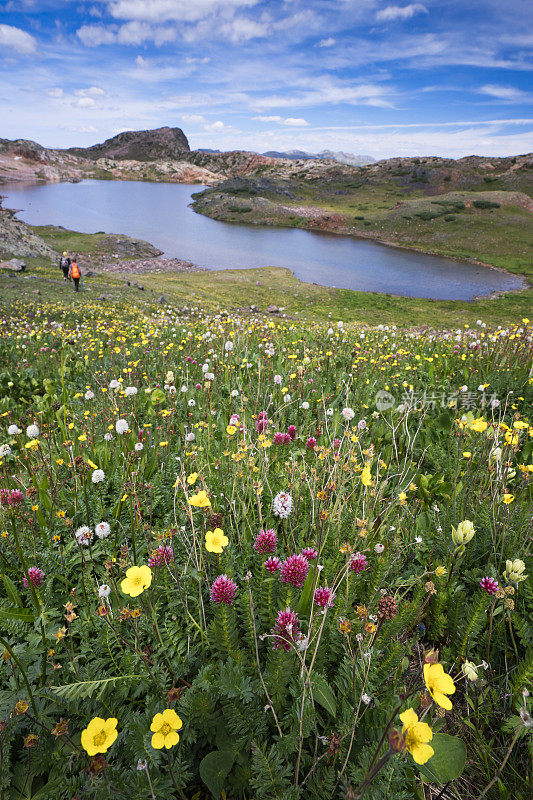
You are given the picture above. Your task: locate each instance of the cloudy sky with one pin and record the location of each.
(438, 77)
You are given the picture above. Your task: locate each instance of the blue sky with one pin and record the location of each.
(437, 77)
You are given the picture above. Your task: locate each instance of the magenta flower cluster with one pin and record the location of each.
(324, 597)
(223, 590)
(358, 562)
(11, 498)
(272, 564)
(266, 541)
(489, 584)
(262, 422)
(294, 570)
(286, 629)
(35, 575)
(163, 555)
(310, 553)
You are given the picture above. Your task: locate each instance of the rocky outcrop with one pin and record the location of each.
(18, 239)
(155, 145)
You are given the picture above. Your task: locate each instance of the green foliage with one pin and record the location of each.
(305, 711)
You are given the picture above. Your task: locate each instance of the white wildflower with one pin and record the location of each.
(122, 426)
(102, 530)
(32, 431)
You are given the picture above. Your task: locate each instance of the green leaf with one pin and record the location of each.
(305, 598)
(323, 694)
(21, 614)
(157, 396)
(215, 768)
(11, 590)
(449, 759)
(82, 689)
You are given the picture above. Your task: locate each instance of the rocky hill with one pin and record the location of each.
(164, 155)
(333, 155)
(161, 144)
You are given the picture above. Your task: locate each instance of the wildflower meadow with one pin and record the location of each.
(245, 557)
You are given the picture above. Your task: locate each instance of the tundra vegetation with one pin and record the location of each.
(248, 557)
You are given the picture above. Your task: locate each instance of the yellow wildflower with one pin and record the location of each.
(164, 728)
(508, 498)
(137, 580)
(192, 478)
(439, 684)
(99, 735)
(200, 500)
(366, 476)
(416, 736)
(216, 541)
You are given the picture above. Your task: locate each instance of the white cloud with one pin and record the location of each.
(329, 42)
(327, 91)
(391, 13)
(131, 33)
(92, 91)
(16, 39)
(193, 118)
(94, 35)
(503, 92)
(242, 29)
(204, 60)
(215, 126)
(85, 102)
(55, 92)
(291, 122)
(172, 10)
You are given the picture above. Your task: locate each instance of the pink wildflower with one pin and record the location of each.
(324, 597)
(223, 590)
(291, 430)
(358, 562)
(287, 628)
(294, 570)
(35, 575)
(489, 584)
(311, 443)
(272, 564)
(310, 553)
(279, 438)
(266, 541)
(163, 555)
(11, 498)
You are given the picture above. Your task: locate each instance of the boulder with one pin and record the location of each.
(272, 309)
(14, 264)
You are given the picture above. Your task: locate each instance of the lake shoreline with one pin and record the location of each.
(189, 264)
(525, 284)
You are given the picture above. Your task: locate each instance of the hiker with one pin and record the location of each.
(64, 265)
(75, 273)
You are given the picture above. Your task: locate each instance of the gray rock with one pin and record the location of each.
(254, 309)
(162, 300)
(272, 309)
(14, 264)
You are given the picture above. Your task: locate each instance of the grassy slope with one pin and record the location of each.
(229, 289)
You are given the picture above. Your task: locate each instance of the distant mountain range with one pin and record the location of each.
(351, 159)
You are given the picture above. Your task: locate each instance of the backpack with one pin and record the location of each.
(63, 262)
(75, 270)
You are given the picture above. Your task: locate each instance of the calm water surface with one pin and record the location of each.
(159, 213)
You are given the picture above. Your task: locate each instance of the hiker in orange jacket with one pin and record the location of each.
(75, 273)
